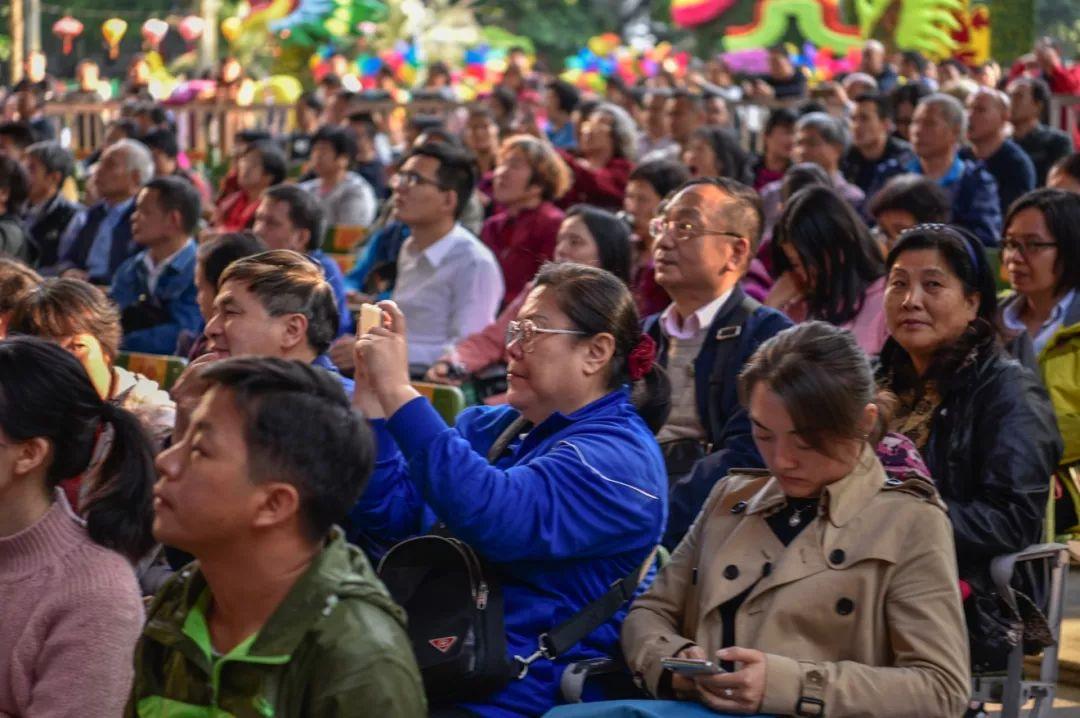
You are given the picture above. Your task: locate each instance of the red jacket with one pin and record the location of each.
(522, 243)
(602, 187)
(1066, 81)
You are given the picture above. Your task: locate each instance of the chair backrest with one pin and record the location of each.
(449, 401)
(342, 239)
(165, 370)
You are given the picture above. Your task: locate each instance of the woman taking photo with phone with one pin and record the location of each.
(819, 584)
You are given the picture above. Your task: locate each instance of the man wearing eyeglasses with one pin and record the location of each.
(449, 284)
(703, 242)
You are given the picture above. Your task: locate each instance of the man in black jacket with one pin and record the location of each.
(49, 214)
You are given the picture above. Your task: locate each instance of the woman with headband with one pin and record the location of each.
(982, 421)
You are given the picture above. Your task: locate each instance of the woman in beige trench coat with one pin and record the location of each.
(825, 587)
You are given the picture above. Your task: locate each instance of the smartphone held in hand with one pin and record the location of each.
(690, 666)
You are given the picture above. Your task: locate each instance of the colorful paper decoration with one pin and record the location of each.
(67, 29)
(113, 31)
(153, 31)
(231, 27)
(191, 28)
(689, 13)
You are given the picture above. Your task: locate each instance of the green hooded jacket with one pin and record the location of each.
(335, 647)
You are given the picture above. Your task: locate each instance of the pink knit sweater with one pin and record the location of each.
(70, 613)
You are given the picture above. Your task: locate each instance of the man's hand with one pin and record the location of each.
(341, 353)
(440, 373)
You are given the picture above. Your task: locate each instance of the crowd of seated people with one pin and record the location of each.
(752, 416)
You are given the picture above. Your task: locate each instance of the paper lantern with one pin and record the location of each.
(67, 29)
(113, 31)
(153, 31)
(191, 28)
(231, 28)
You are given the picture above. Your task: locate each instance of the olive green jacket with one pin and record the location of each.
(335, 647)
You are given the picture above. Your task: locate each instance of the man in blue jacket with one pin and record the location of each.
(704, 240)
(155, 289)
(937, 127)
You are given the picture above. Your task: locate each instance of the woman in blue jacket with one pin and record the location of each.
(572, 505)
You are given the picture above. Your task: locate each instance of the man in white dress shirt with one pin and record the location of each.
(449, 284)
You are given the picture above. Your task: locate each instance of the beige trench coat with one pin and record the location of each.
(859, 616)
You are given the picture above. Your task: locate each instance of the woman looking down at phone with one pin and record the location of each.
(821, 585)
(577, 499)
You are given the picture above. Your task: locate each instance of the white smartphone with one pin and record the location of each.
(690, 666)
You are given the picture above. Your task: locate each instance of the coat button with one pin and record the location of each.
(739, 507)
(766, 569)
(837, 557)
(731, 572)
(845, 606)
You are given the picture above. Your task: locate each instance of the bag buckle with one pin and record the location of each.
(542, 651)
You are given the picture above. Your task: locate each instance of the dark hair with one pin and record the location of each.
(825, 381)
(596, 301)
(664, 176)
(505, 99)
(175, 194)
(286, 282)
(19, 133)
(16, 281)
(915, 58)
(1040, 92)
(781, 117)
(457, 171)
(1061, 213)
(341, 139)
(966, 259)
(586, 107)
(1069, 164)
(802, 175)
(423, 123)
(696, 99)
(252, 136)
(162, 140)
(53, 157)
(58, 308)
(922, 198)
(779, 49)
(305, 212)
(13, 179)
(218, 253)
(910, 94)
(834, 246)
(272, 159)
(747, 204)
(311, 101)
(365, 120)
(567, 95)
(731, 159)
(612, 237)
(156, 113)
(300, 429)
(330, 80)
(881, 103)
(125, 125)
(46, 393)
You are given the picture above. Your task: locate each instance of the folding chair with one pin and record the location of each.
(449, 401)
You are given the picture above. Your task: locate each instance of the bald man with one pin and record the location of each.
(988, 131)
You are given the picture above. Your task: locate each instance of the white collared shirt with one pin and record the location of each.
(1011, 317)
(696, 323)
(153, 272)
(448, 291)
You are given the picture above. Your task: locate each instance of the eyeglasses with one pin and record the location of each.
(526, 331)
(412, 179)
(683, 231)
(1024, 249)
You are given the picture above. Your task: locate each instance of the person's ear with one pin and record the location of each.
(450, 201)
(278, 503)
(598, 352)
(301, 240)
(294, 330)
(31, 455)
(971, 305)
(869, 419)
(740, 255)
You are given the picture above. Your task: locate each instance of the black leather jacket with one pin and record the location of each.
(993, 446)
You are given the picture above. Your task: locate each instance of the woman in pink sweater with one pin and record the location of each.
(71, 606)
(587, 235)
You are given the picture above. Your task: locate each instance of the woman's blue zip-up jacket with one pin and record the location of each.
(569, 508)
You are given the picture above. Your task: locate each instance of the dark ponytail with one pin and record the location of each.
(45, 392)
(597, 302)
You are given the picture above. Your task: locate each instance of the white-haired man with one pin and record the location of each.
(875, 64)
(94, 249)
(988, 132)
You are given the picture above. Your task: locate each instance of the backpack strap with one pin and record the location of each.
(512, 431)
(726, 346)
(567, 634)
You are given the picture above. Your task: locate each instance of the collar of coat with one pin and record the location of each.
(842, 500)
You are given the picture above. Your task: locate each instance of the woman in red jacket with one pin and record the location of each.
(602, 166)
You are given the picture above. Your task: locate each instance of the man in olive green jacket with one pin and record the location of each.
(278, 616)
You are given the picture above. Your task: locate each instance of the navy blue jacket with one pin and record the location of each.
(973, 191)
(726, 423)
(123, 246)
(1012, 169)
(175, 293)
(570, 508)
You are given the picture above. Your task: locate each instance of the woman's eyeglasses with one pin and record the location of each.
(1024, 249)
(683, 231)
(526, 331)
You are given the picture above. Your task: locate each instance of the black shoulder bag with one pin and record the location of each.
(454, 602)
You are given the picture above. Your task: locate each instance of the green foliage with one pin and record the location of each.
(1060, 19)
(1012, 32)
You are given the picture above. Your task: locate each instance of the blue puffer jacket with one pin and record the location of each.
(570, 508)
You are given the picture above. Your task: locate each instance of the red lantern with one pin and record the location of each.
(67, 29)
(191, 28)
(153, 30)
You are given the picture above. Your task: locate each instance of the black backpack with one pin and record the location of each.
(454, 603)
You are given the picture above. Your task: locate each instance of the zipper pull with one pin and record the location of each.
(482, 596)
